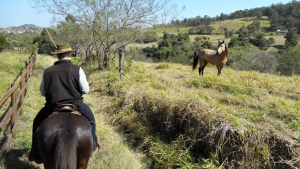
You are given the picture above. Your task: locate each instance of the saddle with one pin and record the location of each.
(66, 108)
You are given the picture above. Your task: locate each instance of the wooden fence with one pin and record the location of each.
(16, 95)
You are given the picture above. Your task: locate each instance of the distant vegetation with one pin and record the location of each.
(281, 16)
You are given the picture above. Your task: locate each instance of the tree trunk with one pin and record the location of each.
(99, 60)
(121, 56)
(105, 58)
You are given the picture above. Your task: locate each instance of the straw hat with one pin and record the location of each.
(63, 48)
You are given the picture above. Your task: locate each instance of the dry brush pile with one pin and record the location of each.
(181, 121)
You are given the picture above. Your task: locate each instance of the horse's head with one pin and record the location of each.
(221, 47)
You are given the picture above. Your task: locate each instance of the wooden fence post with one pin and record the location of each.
(22, 95)
(27, 74)
(14, 115)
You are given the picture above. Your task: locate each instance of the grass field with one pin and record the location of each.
(180, 120)
(11, 64)
(114, 152)
(242, 119)
(234, 24)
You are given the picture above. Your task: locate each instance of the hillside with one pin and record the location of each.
(231, 24)
(241, 119)
(27, 28)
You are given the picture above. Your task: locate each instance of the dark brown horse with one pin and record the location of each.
(216, 57)
(64, 141)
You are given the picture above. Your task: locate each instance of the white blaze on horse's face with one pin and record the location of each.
(221, 47)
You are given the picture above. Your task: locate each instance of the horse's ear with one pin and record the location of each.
(218, 41)
(223, 41)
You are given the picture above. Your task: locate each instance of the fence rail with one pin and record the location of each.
(16, 94)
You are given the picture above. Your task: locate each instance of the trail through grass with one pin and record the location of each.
(114, 152)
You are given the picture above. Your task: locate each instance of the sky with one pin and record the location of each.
(20, 12)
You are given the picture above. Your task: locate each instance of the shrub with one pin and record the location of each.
(289, 61)
(148, 37)
(3, 42)
(292, 39)
(258, 61)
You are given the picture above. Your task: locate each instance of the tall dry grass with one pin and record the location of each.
(238, 119)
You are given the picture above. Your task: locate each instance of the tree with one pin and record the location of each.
(44, 42)
(261, 42)
(256, 60)
(243, 32)
(253, 27)
(289, 61)
(111, 24)
(228, 34)
(3, 42)
(198, 39)
(72, 33)
(148, 37)
(291, 39)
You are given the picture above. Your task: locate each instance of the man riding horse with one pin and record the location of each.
(63, 83)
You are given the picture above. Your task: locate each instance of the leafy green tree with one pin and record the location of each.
(243, 32)
(261, 42)
(71, 32)
(208, 45)
(198, 39)
(3, 42)
(228, 34)
(289, 61)
(254, 26)
(148, 37)
(291, 39)
(44, 42)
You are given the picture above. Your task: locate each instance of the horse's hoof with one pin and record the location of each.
(31, 157)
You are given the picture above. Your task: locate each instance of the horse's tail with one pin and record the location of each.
(196, 58)
(66, 153)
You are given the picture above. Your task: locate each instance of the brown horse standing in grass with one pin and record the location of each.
(216, 57)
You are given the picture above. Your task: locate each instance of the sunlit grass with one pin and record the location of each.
(11, 64)
(114, 152)
(249, 101)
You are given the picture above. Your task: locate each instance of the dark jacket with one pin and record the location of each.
(61, 82)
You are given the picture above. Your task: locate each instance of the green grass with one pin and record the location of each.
(114, 152)
(233, 24)
(11, 64)
(168, 102)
